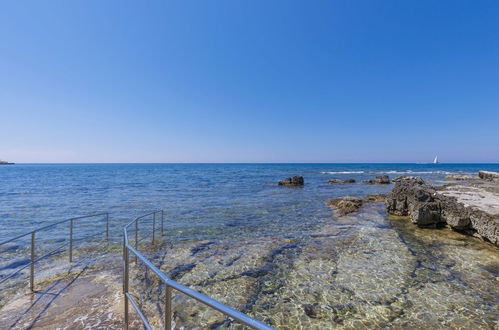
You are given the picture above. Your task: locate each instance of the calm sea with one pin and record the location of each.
(276, 253)
(200, 200)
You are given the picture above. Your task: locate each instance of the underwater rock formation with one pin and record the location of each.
(345, 205)
(341, 181)
(375, 198)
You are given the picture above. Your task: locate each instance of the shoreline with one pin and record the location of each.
(470, 207)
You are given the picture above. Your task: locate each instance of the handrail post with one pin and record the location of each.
(168, 308)
(136, 233)
(125, 281)
(32, 266)
(71, 240)
(153, 226)
(107, 225)
(162, 222)
(136, 236)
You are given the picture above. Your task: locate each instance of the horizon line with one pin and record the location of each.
(152, 163)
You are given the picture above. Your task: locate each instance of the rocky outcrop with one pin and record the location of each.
(381, 179)
(345, 205)
(333, 181)
(294, 181)
(488, 175)
(427, 206)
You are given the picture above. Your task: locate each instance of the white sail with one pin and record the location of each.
(435, 161)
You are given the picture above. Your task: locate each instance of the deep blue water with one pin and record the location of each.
(199, 200)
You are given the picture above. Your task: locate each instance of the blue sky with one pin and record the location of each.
(249, 81)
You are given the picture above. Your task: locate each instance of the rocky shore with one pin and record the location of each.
(471, 208)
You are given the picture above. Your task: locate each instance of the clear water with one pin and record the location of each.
(277, 253)
(200, 200)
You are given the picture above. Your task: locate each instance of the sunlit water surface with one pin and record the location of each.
(276, 253)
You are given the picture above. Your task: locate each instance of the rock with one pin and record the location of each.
(459, 177)
(414, 198)
(294, 181)
(455, 214)
(485, 226)
(408, 177)
(473, 208)
(375, 198)
(314, 311)
(488, 175)
(345, 205)
(341, 181)
(428, 214)
(428, 206)
(381, 179)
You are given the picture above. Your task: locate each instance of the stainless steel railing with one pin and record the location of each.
(170, 284)
(34, 259)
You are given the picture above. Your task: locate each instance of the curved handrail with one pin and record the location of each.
(171, 284)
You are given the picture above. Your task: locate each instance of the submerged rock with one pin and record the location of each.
(375, 198)
(294, 181)
(314, 311)
(380, 179)
(488, 175)
(341, 181)
(345, 205)
(428, 206)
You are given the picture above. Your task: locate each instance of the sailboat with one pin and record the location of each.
(435, 161)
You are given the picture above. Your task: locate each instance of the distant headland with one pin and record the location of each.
(3, 162)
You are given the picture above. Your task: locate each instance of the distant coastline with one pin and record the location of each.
(3, 162)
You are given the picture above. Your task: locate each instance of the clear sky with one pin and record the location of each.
(249, 81)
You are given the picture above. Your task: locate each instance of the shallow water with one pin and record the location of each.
(276, 253)
(362, 271)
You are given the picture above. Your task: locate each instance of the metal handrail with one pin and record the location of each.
(170, 284)
(61, 248)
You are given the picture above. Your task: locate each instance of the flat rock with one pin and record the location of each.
(488, 175)
(459, 177)
(474, 197)
(333, 181)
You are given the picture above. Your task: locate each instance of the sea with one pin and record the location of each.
(324, 268)
(199, 200)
